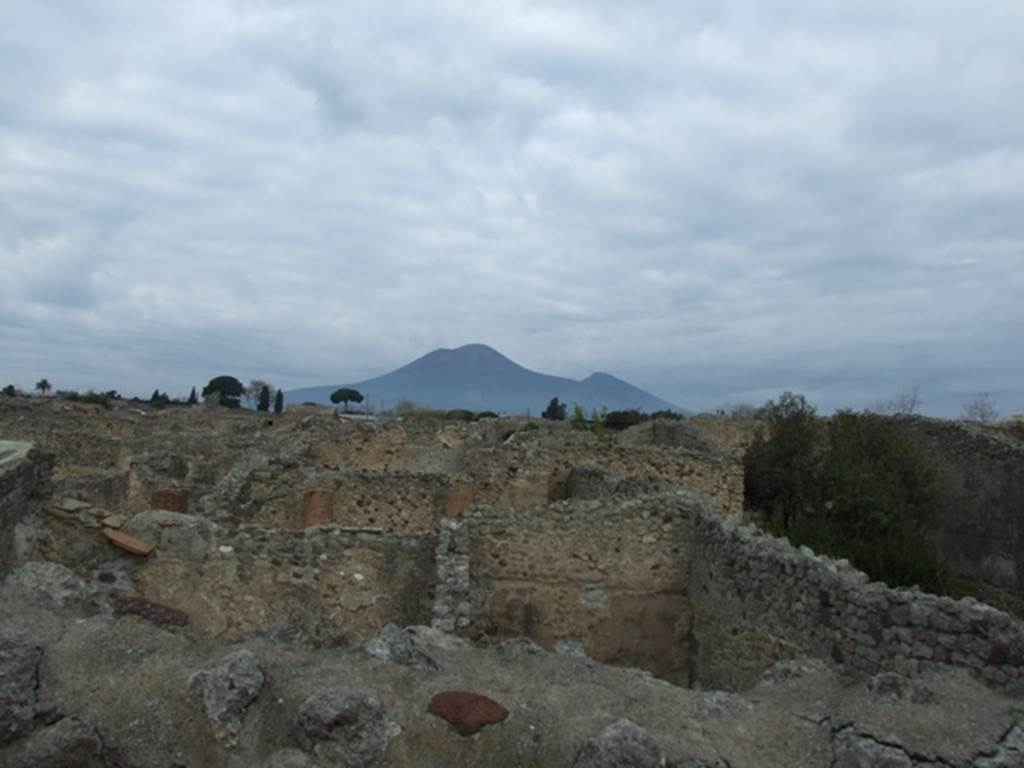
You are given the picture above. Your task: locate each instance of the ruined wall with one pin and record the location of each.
(329, 585)
(396, 502)
(612, 576)
(757, 600)
(24, 479)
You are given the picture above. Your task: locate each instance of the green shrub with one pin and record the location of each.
(620, 420)
(855, 486)
(485, 415)
(459, 414)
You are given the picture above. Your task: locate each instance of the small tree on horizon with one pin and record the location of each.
(346, 396)
(981, 408)
(43, 386)
(279, 402)
(229, 388)
(264, 403)
(555, 411)
(193, 398)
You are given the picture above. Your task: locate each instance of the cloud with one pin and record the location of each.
(719, 201)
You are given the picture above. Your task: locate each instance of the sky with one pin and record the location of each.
(716, 201)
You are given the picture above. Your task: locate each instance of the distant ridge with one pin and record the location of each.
(480, 378)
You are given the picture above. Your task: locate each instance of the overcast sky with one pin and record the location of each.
(714, 200)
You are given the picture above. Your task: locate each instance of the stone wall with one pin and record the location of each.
(609, 575)
(396, 502)
(329, 585)
(757, 600)
(24, 478)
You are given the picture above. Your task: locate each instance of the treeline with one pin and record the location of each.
(854, 486)
(602, 419)
(225, 390)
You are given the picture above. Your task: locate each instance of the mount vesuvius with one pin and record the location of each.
(478, 378)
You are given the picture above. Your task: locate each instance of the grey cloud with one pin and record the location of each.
(717, 200)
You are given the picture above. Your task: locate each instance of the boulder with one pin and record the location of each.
(19, 667)
(345, 728)
(68, 743)
(623, 744)
(226, 690)
(44, 582)
(398, 646)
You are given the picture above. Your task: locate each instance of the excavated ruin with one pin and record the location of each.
(200, 587)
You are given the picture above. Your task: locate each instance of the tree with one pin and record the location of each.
(905, 403)
(10, 391)
(255, 389)
(264, 403)
(279, 402)
(981, 408)
(555, 411)
(346, 396)
(228, 388)
(43, 386)
(579, 417)
(857, 485)
(193, 398)
(780, 467)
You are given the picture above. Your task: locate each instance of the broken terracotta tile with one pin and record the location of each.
(128, 543)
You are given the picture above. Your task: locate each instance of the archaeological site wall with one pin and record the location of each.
(610, 576)
(627, 548)
(756, 600)
(24, 480)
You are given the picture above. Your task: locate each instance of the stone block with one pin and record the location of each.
(317, 508)
(170, 499)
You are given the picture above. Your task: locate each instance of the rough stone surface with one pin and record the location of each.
(69, 743)
(226, 690)
(348, 728)
(159, 614)
(400, 647)
(623, 744)
(467, 712)
(853, 750)
(51, 582)
(288, 758)
(19, 664)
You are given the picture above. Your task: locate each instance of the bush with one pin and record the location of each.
(485, 415)
(620, 420)
(555, 411)
(459, 414)
(663, 414)
(857, 487)
(93, 398)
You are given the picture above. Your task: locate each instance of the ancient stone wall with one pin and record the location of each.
(24, 478)
(611, 576)
(330, 584)
(396, 502)
(757, 600)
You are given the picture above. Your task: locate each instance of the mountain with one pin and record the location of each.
(480, 378)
